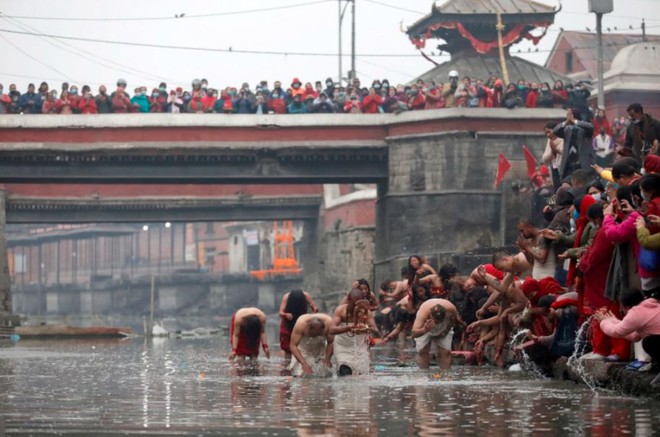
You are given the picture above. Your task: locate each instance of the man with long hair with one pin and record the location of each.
(294, 304)
(247, 333)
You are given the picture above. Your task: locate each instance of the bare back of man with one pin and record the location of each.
(247, 332)
(312, 345)
(433, 331)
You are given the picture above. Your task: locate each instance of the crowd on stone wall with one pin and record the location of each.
(296, 98)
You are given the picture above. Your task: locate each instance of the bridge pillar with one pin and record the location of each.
(5, 280)
(439, 199)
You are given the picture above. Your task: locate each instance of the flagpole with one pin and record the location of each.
(500, 28)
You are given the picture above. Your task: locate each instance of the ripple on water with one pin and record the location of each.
(190, 388)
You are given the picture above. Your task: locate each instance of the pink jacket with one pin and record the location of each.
(626, 232)
(640, 321)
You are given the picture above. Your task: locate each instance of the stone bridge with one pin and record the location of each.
(433, 169)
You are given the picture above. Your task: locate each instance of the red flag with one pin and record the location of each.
(503, 166)
(531, 163)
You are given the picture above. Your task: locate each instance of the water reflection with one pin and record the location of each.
(187, 386)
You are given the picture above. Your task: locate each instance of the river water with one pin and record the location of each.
(186, 386)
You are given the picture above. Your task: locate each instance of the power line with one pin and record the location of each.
(176, 17)
(200, 49)
(41, 78)
(395, 7)
(88, 56)
(38, 61)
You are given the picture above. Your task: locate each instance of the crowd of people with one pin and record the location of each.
(591, 257)
(297, 98)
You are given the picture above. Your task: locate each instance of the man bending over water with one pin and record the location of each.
(433, 331)
(247, 331)
(312, 345)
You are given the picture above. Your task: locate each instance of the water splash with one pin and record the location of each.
(527, 364)
(574, 362)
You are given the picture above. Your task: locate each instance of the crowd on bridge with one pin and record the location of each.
(296, 98)
(583, 281)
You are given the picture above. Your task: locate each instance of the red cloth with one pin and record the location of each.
(594, 266)
(207, 103)
(598, 123)
(541, 287)
(278, 105)
(87, 106)
(532, 99)
(606, 346)
(503, 166)
(541, 326)
(417, 102)
(242, 350)
(559, 304)
(493, 271)
(370, 104)
(285, 336)
(484, 47)
(652, 163)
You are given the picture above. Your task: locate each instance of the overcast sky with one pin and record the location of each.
(310, 28)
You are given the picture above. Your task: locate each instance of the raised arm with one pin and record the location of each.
(311, 303)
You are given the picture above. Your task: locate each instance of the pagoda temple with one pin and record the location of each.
(472, 32)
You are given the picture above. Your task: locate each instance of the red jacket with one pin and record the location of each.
(87, 106)
(417, 102)
(207, 103)
(603, 122)
(278, 106)
(532, 99)
(594, 264)
(371, 103)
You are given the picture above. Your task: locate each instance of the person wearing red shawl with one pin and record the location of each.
(309, 91)
(371, 102)
(534, 290)
(208, 101)
(498, 94)
(600, 120)
(594, 266)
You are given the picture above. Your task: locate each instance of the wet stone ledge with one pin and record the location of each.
(597, 373)
(612, 376)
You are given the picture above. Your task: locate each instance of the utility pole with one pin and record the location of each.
(601, 87)
(353, 43)
(341, 17)
(342, 12)
(643, 30)
(600, 7)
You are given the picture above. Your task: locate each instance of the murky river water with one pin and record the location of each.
(187, 387)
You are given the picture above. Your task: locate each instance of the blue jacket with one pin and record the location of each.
(30, 109)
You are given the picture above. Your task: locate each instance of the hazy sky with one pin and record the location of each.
(312, 28)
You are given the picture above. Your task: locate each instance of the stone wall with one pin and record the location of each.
(440, 197)
(346, 255)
